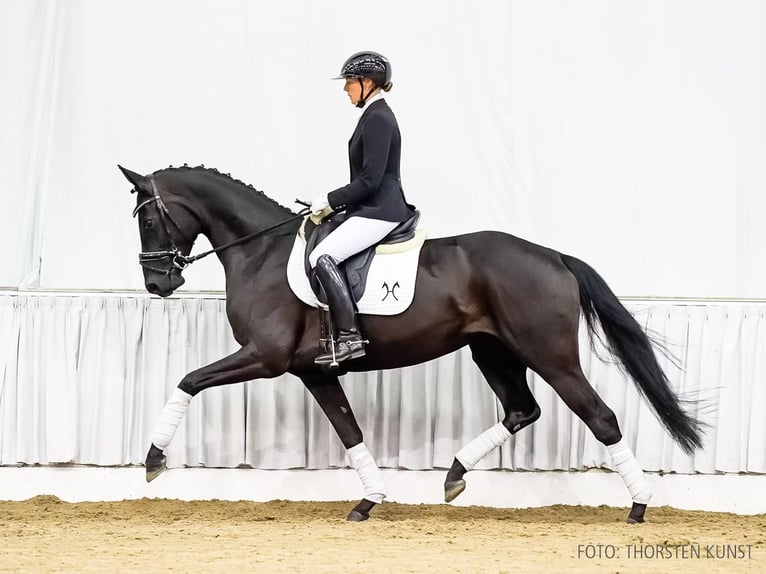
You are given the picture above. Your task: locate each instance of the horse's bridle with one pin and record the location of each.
(178, 259)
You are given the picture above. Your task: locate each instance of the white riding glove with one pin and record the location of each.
(320, 204)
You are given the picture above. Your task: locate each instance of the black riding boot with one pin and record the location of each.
(350, 344)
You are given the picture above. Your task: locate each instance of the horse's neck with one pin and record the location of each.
(230, 213)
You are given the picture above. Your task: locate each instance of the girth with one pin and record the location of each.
(356, 267)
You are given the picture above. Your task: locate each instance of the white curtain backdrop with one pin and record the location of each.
(83, 379)
(630, 133)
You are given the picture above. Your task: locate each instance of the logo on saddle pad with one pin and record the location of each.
(382, 280)
(390, 291)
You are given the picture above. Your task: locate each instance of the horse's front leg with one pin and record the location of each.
(243, 365)
(331, 398)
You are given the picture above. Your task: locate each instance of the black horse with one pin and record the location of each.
(516, 304)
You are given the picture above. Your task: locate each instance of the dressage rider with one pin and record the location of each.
(374, 200)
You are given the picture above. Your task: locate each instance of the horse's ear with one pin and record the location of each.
(139, 181)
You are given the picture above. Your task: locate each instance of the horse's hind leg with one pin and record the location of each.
(330, 396)
(507, 378)
(575, 390)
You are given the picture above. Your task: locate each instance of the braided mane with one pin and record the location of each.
(202, 168)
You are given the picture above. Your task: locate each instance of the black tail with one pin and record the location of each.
(627, 341)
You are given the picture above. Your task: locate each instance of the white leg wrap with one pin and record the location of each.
(171, 416)
(369, 473)
(627, 465)
(482, 445)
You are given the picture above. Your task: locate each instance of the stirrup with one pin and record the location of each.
(348, 346)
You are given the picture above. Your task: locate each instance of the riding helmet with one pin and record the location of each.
(368, 64)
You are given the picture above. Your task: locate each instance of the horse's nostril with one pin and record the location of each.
(153, 288)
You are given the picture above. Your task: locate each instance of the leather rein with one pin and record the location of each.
(178, 260)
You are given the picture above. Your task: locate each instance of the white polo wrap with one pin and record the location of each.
(372, 479)
(482, 445)
(626, 464)
(171, 416)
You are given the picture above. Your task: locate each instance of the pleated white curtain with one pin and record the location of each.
(628, 133)
(83, 378)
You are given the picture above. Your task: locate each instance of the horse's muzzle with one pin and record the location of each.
(164, 286)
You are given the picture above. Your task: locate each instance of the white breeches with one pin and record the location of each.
(353, 235)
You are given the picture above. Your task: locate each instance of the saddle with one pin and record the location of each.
(356, 267)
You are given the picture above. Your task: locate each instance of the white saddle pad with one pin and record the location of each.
(390, 282)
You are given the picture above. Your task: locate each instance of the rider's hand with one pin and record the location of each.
(319, 204)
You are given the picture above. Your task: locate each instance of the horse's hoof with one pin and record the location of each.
(356, 516)
(452, 489)
(152, 473)
(156, 463)
(361, 511)
(636, 515)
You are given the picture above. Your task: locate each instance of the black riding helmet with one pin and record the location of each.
(367, 64)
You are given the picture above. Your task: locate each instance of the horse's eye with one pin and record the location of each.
(149, 224)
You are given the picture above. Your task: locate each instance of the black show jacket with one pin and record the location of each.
(374, 152)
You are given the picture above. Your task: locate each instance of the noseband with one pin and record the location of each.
(177, 258)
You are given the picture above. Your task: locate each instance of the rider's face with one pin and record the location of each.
(354, 88)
